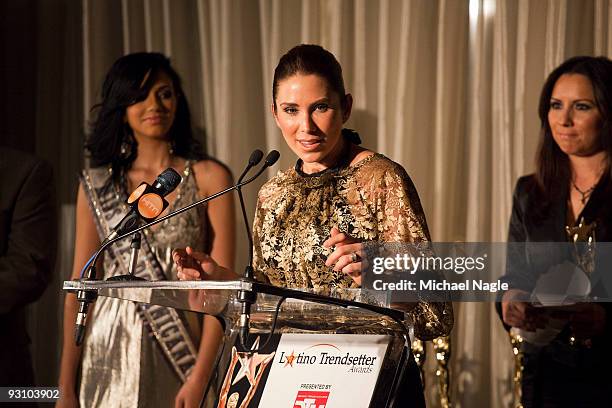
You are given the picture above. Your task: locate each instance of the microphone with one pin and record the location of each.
(163, 184)
(254, 160)
(247, 298)
(146, 202)
(271, 158)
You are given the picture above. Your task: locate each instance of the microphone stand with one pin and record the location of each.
(135, 246)
(85, 297)
(90, 276)
(247, 297)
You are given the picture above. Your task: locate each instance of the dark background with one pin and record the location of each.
(41, 93)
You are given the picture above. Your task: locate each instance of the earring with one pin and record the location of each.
(126, 145)
(171, 147)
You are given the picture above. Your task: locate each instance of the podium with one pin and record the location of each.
(308, 349)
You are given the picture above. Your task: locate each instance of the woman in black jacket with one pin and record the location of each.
(568, 200)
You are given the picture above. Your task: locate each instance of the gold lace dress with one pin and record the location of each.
(122, 365)
(373, 200)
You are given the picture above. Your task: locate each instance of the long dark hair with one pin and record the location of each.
(123, 86)
(553, 171)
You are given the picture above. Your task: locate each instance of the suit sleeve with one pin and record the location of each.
(27, 265)
(518, 272)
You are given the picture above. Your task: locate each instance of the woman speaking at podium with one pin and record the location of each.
(311, 219)
(143, 126)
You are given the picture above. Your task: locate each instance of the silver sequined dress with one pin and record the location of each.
(122, 366)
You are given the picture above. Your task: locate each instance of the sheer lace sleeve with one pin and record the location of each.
(374, 201)
(401, 219)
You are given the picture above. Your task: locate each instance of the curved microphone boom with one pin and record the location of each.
(86, 297)
(254, 160)
(256, 157)
(146, 203)
(247, 297)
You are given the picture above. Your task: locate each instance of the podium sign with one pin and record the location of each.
(321, 354)
(305, 370)
(322, 370)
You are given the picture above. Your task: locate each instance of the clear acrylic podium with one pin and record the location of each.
(329, 325)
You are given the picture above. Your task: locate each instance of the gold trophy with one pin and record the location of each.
(583, 238)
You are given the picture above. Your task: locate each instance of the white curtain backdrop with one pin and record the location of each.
(447, 88)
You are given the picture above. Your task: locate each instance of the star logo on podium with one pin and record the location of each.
(290, 359)
(249, 363)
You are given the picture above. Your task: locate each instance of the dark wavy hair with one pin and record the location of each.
(553, 171)
(123, 86)
(309, 59)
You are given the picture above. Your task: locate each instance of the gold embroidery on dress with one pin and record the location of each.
(374, 200)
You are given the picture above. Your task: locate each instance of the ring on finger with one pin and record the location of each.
(355, 257)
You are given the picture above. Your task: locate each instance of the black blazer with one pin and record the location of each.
(28, 241)
(531, 222)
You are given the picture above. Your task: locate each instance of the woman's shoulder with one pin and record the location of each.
(377, 168)
(210, 166)
(528, 196)
(211, 175)
(96, 177)
(526, 185)
(280, 181)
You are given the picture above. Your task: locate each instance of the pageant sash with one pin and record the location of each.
(165, 325)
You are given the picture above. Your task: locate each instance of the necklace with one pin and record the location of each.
(584, 194)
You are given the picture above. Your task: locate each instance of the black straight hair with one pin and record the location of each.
(123, 86)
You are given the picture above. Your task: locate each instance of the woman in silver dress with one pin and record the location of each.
(143, 127)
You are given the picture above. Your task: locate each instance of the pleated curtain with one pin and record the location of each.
(447, 88)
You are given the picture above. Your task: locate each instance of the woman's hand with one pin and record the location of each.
(193, 265)
(520, 314)
(190, 394)
(67, 400)
(347, 255)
